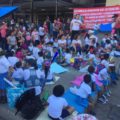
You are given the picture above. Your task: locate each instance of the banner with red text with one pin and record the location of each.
(99, 15)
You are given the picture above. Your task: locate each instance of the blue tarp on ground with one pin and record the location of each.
(71, 99)
(56, 68)
(6, 10)
(106, 27)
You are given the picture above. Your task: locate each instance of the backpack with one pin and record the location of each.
(29, 104)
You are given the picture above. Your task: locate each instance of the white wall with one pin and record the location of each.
(112, 2)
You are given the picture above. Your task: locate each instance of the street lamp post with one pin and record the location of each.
(56, 9)
(11, 2)
(32, 10)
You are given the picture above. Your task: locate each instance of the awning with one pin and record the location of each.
(6, 10)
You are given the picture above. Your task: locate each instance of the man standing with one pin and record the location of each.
(75, 26)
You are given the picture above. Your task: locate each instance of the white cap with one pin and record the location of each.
(111, 65)
(90, 32)
(92, 37)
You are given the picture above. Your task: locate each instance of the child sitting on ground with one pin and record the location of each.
(49, 75)
(68, 56)
(18, 73)
(84, 94)
(57, 106)
(105, 61)
(104, 78)
(96, 85)
(40, 59)
(112, 73)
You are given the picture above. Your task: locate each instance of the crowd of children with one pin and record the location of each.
(26, 54)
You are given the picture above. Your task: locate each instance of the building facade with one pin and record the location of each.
(41, 8)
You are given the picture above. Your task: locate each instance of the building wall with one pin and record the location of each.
(83, 2)
(112, 2)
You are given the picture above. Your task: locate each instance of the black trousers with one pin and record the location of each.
(74, 32)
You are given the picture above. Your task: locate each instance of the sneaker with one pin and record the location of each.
(104, 96)
(75, 113)
(108, 94)
(102, 100)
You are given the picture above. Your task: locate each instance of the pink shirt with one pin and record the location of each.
(19, 55)
(3, 31)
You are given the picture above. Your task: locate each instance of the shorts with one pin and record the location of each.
(105, 82)
(65, 113)
(98, 88)
(3, 84)
(82, 101)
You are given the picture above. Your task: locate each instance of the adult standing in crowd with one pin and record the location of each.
(75, 26)
(117, 25)
(5, 67)
(3, 32)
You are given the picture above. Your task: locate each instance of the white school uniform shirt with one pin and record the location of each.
(41, 31)
(40, 60)
(96, 27)
(105, 63)
(50, 75)
(87, 41)
(13, 60)
(92, 56)
(35, 52)
(35, 35)
(76, 42)
(18, 73)
(103, 75)
(61, 42)
(4, 65)
(30, 48)
(104, 40)
(96, 38)
(114, 42)
(47, 40)
(30, 57)
(55, 44)
(76, 24)
(50, 49)
(108, 46)
(93, 77)
(84, 90)
(117, 53)
(68, 56)
(39, 73)
(56, 105)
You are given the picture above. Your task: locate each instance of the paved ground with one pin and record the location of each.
(109, 111)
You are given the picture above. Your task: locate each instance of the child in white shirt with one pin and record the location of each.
(84, 94)
(104, 78)
(68, 56)
(55, 44)
(18, 72)
(105, 60)
(12, 59)
(30, 47)
(40, 59)
(57, 106)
